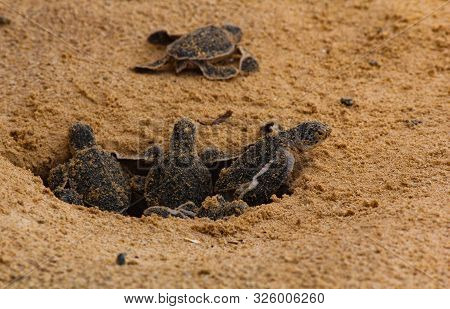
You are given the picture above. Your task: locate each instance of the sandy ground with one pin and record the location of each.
(370, 207)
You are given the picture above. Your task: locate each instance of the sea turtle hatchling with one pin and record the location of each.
(179, 176)
(204, 48)
(92, 177)
(265, 166)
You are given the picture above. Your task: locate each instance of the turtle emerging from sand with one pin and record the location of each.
(93, 177)
(264, 168)
(206, 48)
(178, 177)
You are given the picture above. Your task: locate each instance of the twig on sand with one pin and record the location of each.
(218, 120)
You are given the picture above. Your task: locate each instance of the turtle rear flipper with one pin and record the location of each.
(247, 63)
(153, 66)
(165, 212)
(181, 65)
(162, 37)
(214, 72)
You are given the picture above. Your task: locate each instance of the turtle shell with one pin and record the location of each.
(205, 43)
(175, 183)
(257, 174)
(99, 178)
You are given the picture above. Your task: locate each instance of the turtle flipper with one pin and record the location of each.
(69, 196)
(58, 182)
(189, 209)
(153, 66)
(247, 63)
(165, 212)
(181, 65)
(214, 72)
(162, 37)
(58, 177)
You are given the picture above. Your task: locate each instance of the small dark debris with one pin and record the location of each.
(223, 117)
(371, 204)
(120, 260)
(4, 21)
(347, 101)
(412, 122)
(160, 37)
(218, 120)
(348, 213)
(374, 63)
(204, 272)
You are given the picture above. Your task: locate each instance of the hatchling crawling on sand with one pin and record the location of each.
(265, 167)
(93, 177)
(206, 48)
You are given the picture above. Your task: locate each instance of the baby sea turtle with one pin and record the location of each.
(93, 177)
(203, 48)
(179, 176)
(265, 166)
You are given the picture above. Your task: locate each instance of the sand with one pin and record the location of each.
(370, 207)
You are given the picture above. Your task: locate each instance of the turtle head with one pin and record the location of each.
(81, 136)
(182, 142)
(307, 134)
(234, 31)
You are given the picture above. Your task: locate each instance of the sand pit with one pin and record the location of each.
(370, 206)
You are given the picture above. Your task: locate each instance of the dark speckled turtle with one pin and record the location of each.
(265, 166)
(93, 177)
(179, 176)
(202, 48)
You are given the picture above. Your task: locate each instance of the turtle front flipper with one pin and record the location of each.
(153, 66)
(162, 37)
(215, 72)
(165, 212)
(69, 196)
(247, 63)
(181, 65)
(58, 182)
(58, 177)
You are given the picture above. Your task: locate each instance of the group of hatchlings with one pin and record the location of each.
(181, 182)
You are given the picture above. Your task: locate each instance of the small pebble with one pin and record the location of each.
(347, 101)
(121, 259)
(4, 21)
(374, 63)
(413, 122)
